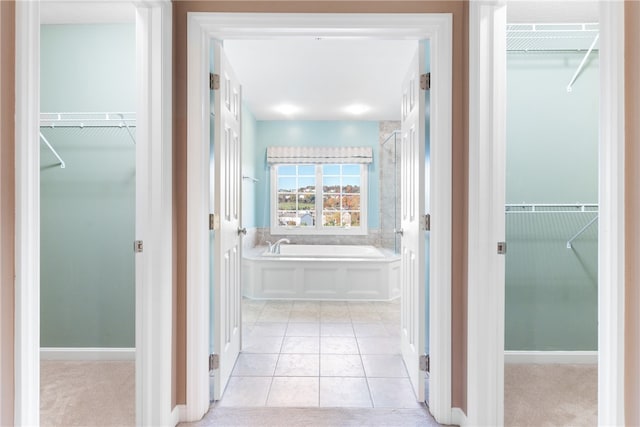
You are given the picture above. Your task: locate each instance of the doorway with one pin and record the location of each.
(87, 200)
(551, 280)
(333, 341)
(433, 27)
(153, 199)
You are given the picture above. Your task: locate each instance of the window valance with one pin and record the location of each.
(316, 155)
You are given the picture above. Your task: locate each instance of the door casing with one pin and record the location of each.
(201, 29)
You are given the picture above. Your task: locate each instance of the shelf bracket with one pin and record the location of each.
(581, 66)
(55, 153)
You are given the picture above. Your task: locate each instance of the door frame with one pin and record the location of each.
(153, 216)
(487, 144)
(201, 28)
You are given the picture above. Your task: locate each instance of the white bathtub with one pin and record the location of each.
(321, 272)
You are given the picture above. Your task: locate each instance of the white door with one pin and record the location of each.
(412, 246)
(226, 199)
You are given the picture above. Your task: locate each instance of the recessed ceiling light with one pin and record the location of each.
(286, 109)
(357, 109)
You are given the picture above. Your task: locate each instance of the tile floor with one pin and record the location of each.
(320, 354)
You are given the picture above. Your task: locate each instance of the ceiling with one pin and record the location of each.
(320, 79)
(86, 12)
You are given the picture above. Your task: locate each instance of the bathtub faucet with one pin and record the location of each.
(275, 248)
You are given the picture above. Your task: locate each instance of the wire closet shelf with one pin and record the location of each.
(523, 208)
(552, 37)
(125, 121)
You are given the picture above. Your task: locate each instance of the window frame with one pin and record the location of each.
(318, 229)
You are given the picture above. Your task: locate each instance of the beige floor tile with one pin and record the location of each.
(341, 365)
(384, 366)
(257, 344)
(375, 329)
(335, 316)
(294, 392)
(298, 365)
(344, 392)
(278, 305)
(274, 316)
(343, 329)
(246, 391)
(308, 329)
(379, 345)
(255, 365)
(269, 329)
(307, 345)
(338, 345)
(365, 317)
(310, 306)
(392, 393)
(304, 316)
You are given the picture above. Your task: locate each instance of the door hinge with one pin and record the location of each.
(214, 81)
(214, 222)
(137, 246)
(425, 363)
(214, 362)
(426, 222)
(502, 248)
(425, 81)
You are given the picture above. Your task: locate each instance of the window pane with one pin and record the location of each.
(307, 170)
(331, 170)
(351, 184)
(288, 218)
(355, 219)
(287, 170)
(307, 185)
(286, 185)
(331, 203)
(307, 202)
(286, 202)
(307, 219)
(331, 219)
(331, 185)
(351, 170)
(351, 203)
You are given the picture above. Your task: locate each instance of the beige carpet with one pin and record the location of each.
(550, 395)
(81, 393)
(103, 393)
(315, 417)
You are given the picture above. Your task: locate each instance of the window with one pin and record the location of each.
(319, 198)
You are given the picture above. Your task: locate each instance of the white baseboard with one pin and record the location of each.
(548, 357)
(87, 353)
(458, 417)
(177, 415)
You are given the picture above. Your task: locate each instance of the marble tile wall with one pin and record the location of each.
(389, 183)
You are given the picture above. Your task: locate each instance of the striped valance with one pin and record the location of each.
(319, 155)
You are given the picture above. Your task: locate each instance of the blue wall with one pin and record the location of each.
(315, 133)
(88, 209)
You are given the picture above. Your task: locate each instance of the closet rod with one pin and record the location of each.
(55, 153)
